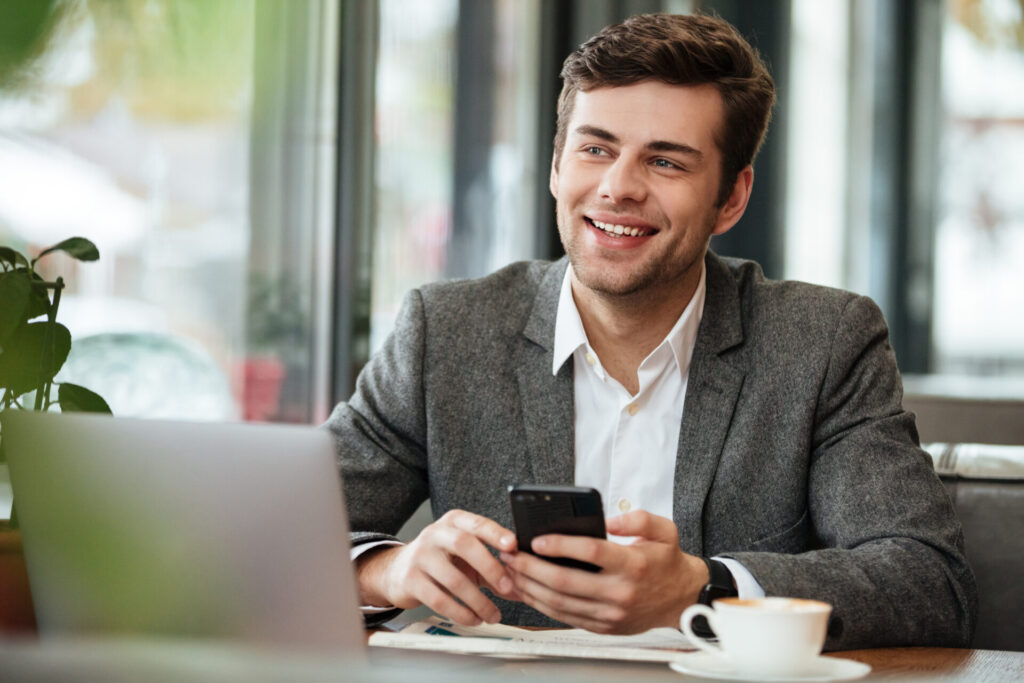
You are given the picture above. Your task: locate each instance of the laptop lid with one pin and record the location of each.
(199, 530)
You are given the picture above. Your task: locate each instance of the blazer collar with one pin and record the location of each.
(540, 326)
(546, 399)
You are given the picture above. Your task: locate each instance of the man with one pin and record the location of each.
(750, 431)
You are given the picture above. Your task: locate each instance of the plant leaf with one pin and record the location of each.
(76, 247)
(13, 257)
(75, 398)
(39, 303)
(15, 292)
(21, 363)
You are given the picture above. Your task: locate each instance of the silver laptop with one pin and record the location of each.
(233, 532)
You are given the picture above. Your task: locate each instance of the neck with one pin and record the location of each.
(624, 329)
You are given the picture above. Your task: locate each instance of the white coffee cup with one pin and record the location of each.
(763, 636)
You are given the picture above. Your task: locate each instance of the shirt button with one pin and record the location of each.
(624, 505)
(633, 409)
(590, 358)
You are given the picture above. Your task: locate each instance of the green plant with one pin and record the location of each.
(33, 345)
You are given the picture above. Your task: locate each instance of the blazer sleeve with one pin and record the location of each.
(887, 546)
(380, 436)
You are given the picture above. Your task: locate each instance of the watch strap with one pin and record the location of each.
(719, 585)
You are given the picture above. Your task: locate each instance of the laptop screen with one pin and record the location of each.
(172, 529)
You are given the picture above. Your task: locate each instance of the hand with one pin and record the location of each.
(443, 568)
(641, 586)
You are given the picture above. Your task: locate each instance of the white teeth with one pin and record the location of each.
(618, 229)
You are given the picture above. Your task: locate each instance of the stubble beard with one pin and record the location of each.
(648, 280)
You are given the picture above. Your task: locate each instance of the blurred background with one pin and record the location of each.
(265, 179)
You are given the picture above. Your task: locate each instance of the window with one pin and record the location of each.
(979, 241)
(193, 142)
(456, 171)
(905, 149)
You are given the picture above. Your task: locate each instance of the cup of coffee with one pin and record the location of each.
(763, 636)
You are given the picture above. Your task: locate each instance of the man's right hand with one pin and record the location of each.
(443, 568)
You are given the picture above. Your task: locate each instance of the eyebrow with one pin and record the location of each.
(654, 145)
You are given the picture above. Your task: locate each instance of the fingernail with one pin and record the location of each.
(507, 557)
(540, 544)
(505, 585)
(506, 541)
(494, 617)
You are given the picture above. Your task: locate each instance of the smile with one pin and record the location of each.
(620, 230)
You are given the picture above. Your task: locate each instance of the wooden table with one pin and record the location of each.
(887, 664)
(937, 663)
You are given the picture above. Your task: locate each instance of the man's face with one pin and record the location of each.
(636, 184)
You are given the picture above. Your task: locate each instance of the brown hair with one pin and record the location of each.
(679, 50)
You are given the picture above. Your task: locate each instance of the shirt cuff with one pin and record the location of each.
(747, 586)
(356, 552)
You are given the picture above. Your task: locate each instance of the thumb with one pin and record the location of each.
(645, 525)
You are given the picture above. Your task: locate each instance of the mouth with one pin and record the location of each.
(617, 230)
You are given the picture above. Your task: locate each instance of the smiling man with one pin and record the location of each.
(747, 435)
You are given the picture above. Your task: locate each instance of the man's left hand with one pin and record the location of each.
(641, 586)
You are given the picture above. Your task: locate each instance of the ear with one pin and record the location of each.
(553, 179)
(736, 204)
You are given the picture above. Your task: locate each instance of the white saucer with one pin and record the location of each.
(708, 665)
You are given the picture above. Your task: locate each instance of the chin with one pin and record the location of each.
(612, 286)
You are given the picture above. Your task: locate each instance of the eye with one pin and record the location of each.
(594, 150)
(665, 163)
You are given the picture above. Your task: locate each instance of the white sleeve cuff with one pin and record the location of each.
(359, 550)
(747, 586)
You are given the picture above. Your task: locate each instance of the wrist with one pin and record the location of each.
(371, 570)
(696, 576)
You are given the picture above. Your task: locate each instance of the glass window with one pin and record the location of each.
(190, 141)
(979, 291)
(885, 175)
(432, 127)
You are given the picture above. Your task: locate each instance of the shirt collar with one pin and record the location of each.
(569, 333)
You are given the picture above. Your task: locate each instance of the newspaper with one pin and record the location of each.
(435, 633)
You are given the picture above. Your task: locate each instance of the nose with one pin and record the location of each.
(623, 181)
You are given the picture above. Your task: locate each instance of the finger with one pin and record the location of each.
(442, 602)
(645, 525)
(571, 610)
(441, 570)
(600, 552)
(566, 580)
(468, 548)
(487, 530)
(510, 594)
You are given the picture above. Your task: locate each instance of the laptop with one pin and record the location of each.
(230, 532)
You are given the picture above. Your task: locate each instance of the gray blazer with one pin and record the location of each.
(795, 455)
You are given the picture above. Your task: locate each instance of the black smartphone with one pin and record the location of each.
(539, 510)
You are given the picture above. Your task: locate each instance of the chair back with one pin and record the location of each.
(978, 448)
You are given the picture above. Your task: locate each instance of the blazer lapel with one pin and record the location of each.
(712, 390)
(546, 399)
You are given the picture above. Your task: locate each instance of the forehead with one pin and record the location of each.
(653, 111)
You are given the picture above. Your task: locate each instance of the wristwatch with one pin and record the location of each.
(719, 585)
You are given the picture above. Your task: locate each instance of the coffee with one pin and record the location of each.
(763, 636)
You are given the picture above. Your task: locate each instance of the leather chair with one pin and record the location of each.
(986, 483)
